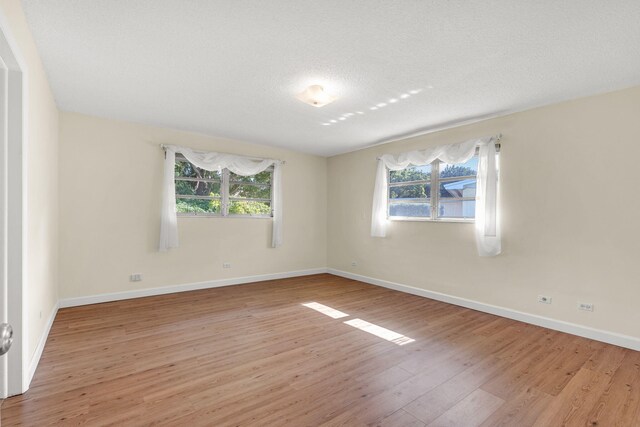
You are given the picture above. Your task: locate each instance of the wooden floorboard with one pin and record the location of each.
(253, 355)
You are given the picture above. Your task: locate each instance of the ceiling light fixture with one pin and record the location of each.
(316, 96)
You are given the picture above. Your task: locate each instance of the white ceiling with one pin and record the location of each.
(232, 68)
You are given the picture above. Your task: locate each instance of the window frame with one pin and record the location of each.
(433, 200)
(225, 199)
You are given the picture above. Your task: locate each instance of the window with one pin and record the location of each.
(221, 193)
(438, 191)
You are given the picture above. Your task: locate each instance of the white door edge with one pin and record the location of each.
(14, 369)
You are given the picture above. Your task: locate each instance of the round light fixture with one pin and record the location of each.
(315, 96)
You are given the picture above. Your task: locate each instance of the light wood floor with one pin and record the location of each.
(254, 355)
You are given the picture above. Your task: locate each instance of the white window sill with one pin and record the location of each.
(220, 216)
(417, 219)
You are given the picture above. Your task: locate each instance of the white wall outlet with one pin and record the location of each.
(41, 314)
(544, 299)
(586, 306)
(135, 277)
(226, 265)
(354, 263)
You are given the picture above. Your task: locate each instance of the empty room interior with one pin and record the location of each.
(319, 213)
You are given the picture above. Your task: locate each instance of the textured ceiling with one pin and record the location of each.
(232, 68)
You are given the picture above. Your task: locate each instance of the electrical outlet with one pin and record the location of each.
(41, 314)
(544, 299)
(354, 263)
(586, 306)
(226, 265)
(135, 277)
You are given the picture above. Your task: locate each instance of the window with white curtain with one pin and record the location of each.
(221, 193)
(440, 186)
(437, 191)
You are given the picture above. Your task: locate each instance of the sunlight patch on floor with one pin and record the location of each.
(331, 312)
(379, 331)
(363, 325)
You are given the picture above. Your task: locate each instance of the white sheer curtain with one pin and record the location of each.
(212, 161)
(487, 219)
(487, 226)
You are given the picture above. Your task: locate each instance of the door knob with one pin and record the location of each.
(6, 337)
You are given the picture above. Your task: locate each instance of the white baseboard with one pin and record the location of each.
(546, 322)
(35, 360)
(139, 293)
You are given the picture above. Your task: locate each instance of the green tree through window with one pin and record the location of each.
(200, 192)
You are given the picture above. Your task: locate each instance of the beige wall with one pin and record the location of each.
(110, 195)
(570, 211)
(42, 181)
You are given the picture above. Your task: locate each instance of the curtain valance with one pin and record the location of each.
(213, 161)
(487, 226)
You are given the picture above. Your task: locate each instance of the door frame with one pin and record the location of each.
(14, 378)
